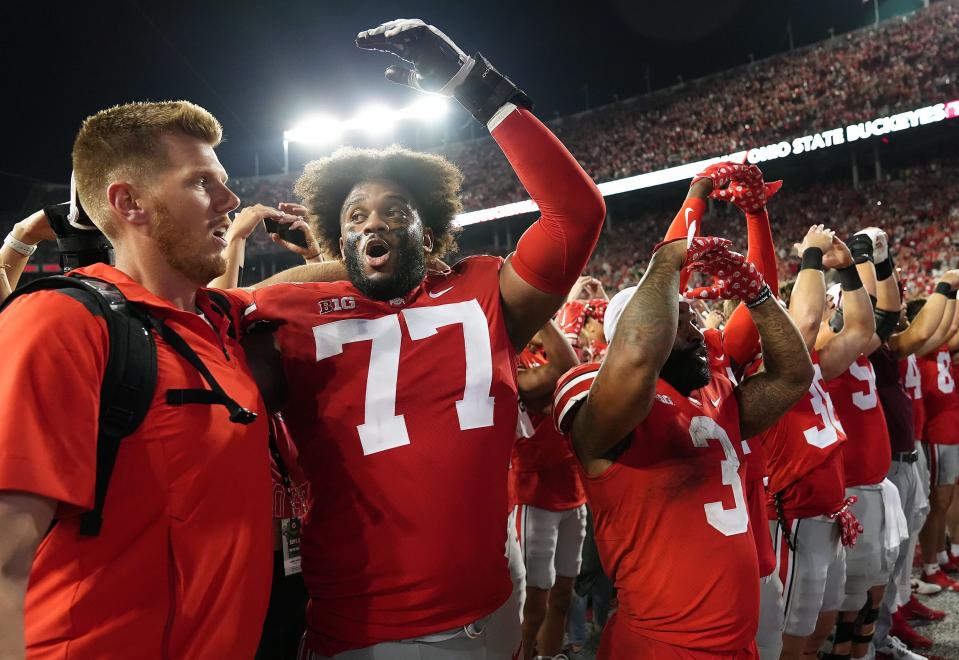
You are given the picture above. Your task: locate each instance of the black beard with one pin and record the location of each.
(685, 371)
(410, 268)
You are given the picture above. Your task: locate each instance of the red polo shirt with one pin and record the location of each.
(182, 565)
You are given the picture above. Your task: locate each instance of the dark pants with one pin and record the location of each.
(286, 616)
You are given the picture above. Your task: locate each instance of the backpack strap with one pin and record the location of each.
(129, 380)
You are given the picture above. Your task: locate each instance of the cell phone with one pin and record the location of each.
(295, 236)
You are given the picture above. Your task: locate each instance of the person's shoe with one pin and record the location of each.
(915, 609)
(941, 579)
(949, 567)
(925, 588)
(894, 649)
(907, 634)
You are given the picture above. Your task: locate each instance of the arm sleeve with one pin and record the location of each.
(689, 217)
(553, 252)
(741, 336)
(54, 358)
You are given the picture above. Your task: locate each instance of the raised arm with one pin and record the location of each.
(878, 277)
(947, 328)
(15, 253)
(748, 192)
(552, 253)
(837, 350)
(808, 298)
(924, 325)
(787, 371)
(622, 394)
(537, 383)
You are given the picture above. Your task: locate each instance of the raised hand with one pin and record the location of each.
(722, 173)
(295, 216)
(838, 255)
(434, 56)
(441, 67)
(817, 237)
(879, 240)
(734, 278)
(748, 197)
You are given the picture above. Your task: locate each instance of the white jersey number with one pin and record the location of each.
(728, 521)
(913, 381)
(945, 381)
(382, 428)
(822, 406)
(864, 400)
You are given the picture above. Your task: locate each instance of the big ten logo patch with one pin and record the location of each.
(337, 304)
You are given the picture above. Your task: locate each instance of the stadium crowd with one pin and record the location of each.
(902, 64)
(732, 456)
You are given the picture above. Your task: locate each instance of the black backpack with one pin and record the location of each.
(130, 378)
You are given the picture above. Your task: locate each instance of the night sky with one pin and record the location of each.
(261, 66)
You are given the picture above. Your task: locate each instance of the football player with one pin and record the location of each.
(658, 432)
(402, 396)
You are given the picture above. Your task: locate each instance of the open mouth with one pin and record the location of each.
(377, 252)
(220, 235)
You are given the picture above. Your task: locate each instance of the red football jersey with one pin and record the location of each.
(671, 520)
(543, 470)
(911, 376)
(868, 455)
(754, 457)
(798, 444)
(940, 397)
(404, 413)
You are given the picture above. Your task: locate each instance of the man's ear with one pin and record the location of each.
(428, 239)
(342, 243)
(125, 203)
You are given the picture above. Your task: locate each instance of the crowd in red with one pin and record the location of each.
(904, 63)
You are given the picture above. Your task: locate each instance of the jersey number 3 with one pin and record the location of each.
(728, 521)
(382, 428)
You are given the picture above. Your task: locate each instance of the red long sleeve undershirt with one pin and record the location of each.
(553, 252)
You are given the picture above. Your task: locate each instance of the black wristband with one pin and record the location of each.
(811, 258)
(764, 294)
(951, 295)
(945, 289)
(884, 269)
(485, 90)
(861, 248)
(849, 278)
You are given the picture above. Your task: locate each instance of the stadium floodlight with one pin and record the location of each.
(318, 129)
(375, 119)
(432, 107)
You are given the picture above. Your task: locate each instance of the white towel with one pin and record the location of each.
(895, 529)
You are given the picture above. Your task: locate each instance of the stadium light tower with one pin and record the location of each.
(319, 129)
(373, 119)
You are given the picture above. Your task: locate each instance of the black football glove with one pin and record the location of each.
(441, 67)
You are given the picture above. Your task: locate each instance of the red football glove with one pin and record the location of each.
(704, 248)
(596, 309)
(849, 526)
(749, 197)
(723, 172)
(734, 278)
(570, 320)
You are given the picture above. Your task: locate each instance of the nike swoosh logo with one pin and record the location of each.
(716, 402)
(437, 294)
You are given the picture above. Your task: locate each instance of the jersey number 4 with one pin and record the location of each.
(382, 428)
